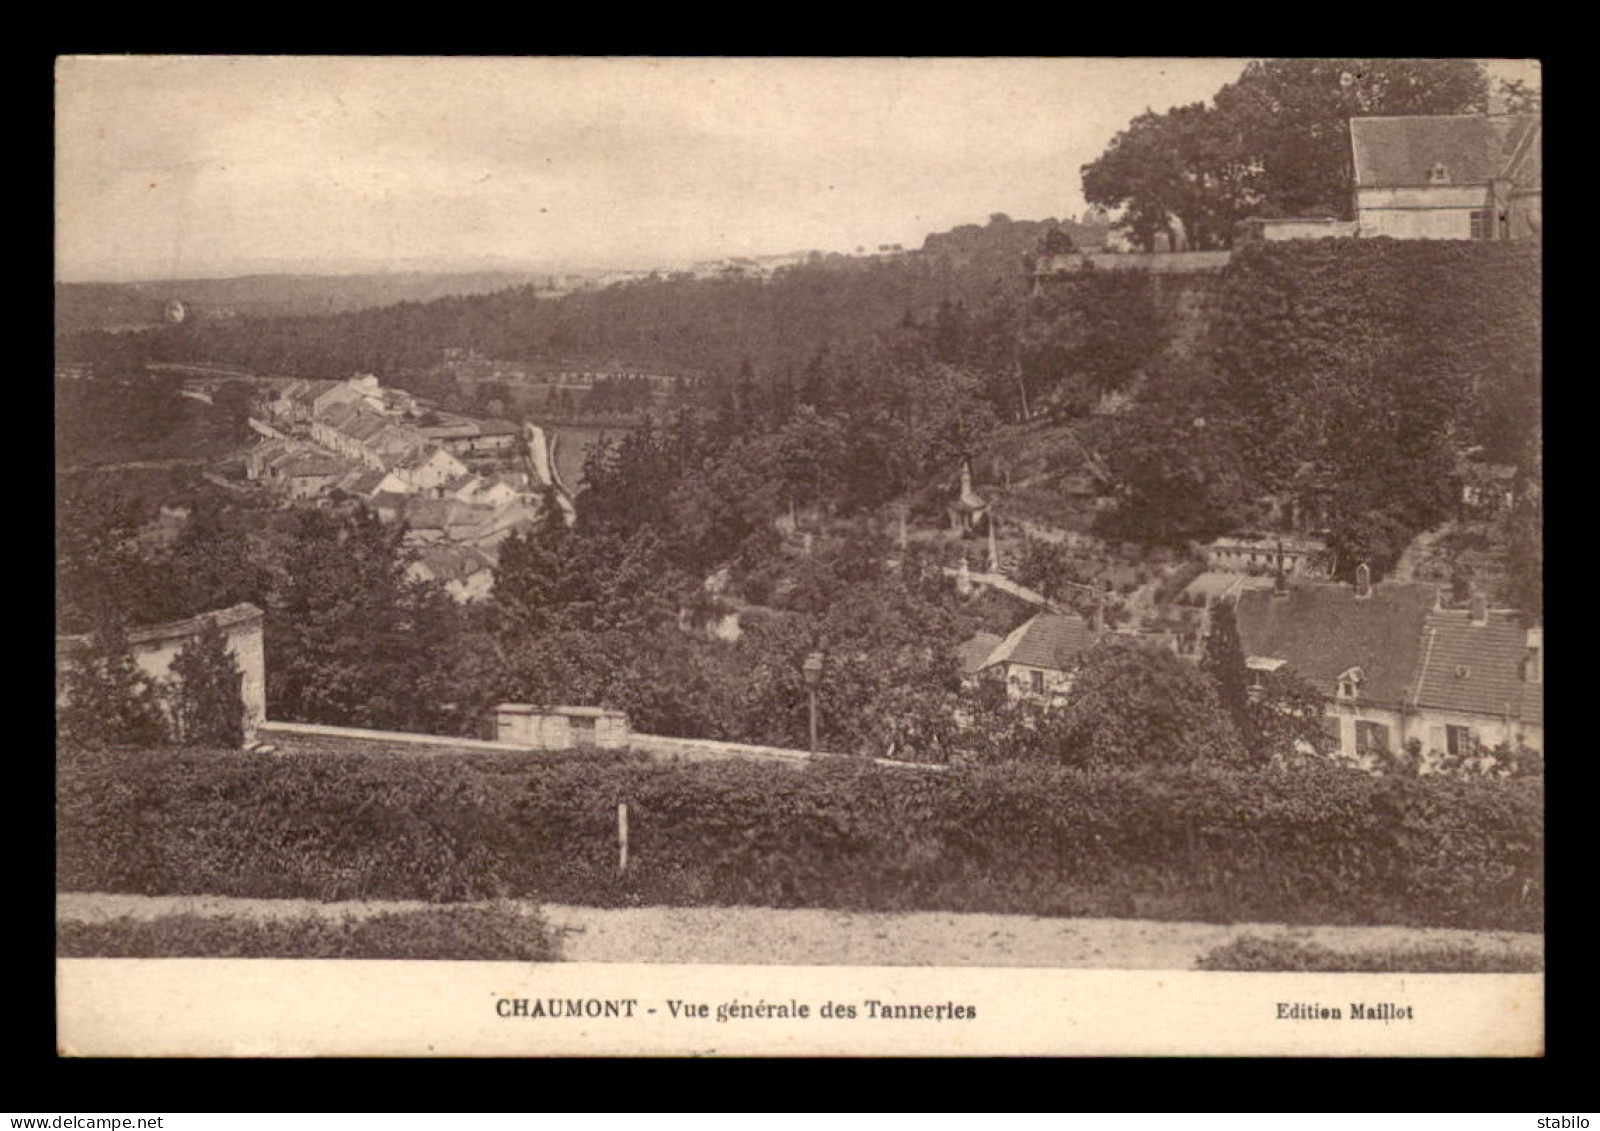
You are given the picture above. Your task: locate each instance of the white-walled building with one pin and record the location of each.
(1448, 176)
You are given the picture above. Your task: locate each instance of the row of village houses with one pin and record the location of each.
(444, 476)
(1393, 663)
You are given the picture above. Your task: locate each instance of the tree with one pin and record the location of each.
(207, 701)
(1133, 704)
(1291, 118)
(1525, 552)
(348, 641)
(105, 699)
(100, 576)
(1224, 662)
(1286, 719)
(1138, 174)
(1519, 97)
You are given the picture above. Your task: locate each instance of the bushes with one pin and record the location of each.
(1316, 845)
(451, 934)
(1252, 953)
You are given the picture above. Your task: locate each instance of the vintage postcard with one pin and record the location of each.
(799, 556)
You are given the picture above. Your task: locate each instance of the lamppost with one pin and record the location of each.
(812, 669)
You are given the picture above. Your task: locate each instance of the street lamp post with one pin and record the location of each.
(812, 669)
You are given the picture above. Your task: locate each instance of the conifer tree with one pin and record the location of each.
(1224, 662)
(106, 699)
(208, 705)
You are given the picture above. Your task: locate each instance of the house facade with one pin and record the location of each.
(1393, 666)
(1448, 177)
(1036, 659)
(1244, 553)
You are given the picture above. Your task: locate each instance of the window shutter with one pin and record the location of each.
(1436, 739)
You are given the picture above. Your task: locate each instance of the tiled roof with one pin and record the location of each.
(1049, 640)
(432, 514)
(365, 482)
(454, 430)
(1477, 668)
(973, 655)
(310, 465)
(311, 390)
(364, 425)
(1527, 167)
(452, 563)
(339, 415)
(1324, 630)
(1474, 148)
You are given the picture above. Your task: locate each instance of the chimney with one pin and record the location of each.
(1363, 582)
(1533, 665)
(1099, 622)
(1480, 609)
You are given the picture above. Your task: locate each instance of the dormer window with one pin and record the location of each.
(1350, 683)
(1439, 175)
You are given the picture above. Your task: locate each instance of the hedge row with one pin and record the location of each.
(485, 934)
(1321, 845)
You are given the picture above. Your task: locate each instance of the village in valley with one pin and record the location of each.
(1197, 534)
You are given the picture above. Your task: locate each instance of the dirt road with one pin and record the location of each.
(767, 936)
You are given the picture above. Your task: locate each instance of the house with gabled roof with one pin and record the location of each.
(1448, 176)
(1035, 660)
(466, 573)
(429, 467)
(1480, 683)
(1394, 666)
(1359, 646)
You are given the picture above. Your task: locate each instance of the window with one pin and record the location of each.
(1459, 740)
(1439, 174)
(1371, 738)
(1480, 225)
(1036, 682)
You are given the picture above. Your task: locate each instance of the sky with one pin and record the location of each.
(177, 167)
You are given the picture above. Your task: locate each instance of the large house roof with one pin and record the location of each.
(1477, 669)
(1049, 640)
(1473, 148)
(1322, 631)
(452, 563)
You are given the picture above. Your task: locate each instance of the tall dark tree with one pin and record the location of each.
(207, 693)
(105, 699)
(1224, 662)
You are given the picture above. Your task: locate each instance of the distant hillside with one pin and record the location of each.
(1005, 239)
(109, 306)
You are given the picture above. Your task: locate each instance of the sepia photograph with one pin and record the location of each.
(798, 556)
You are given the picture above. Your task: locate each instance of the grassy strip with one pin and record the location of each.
(1258, 954)
(447, 933)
